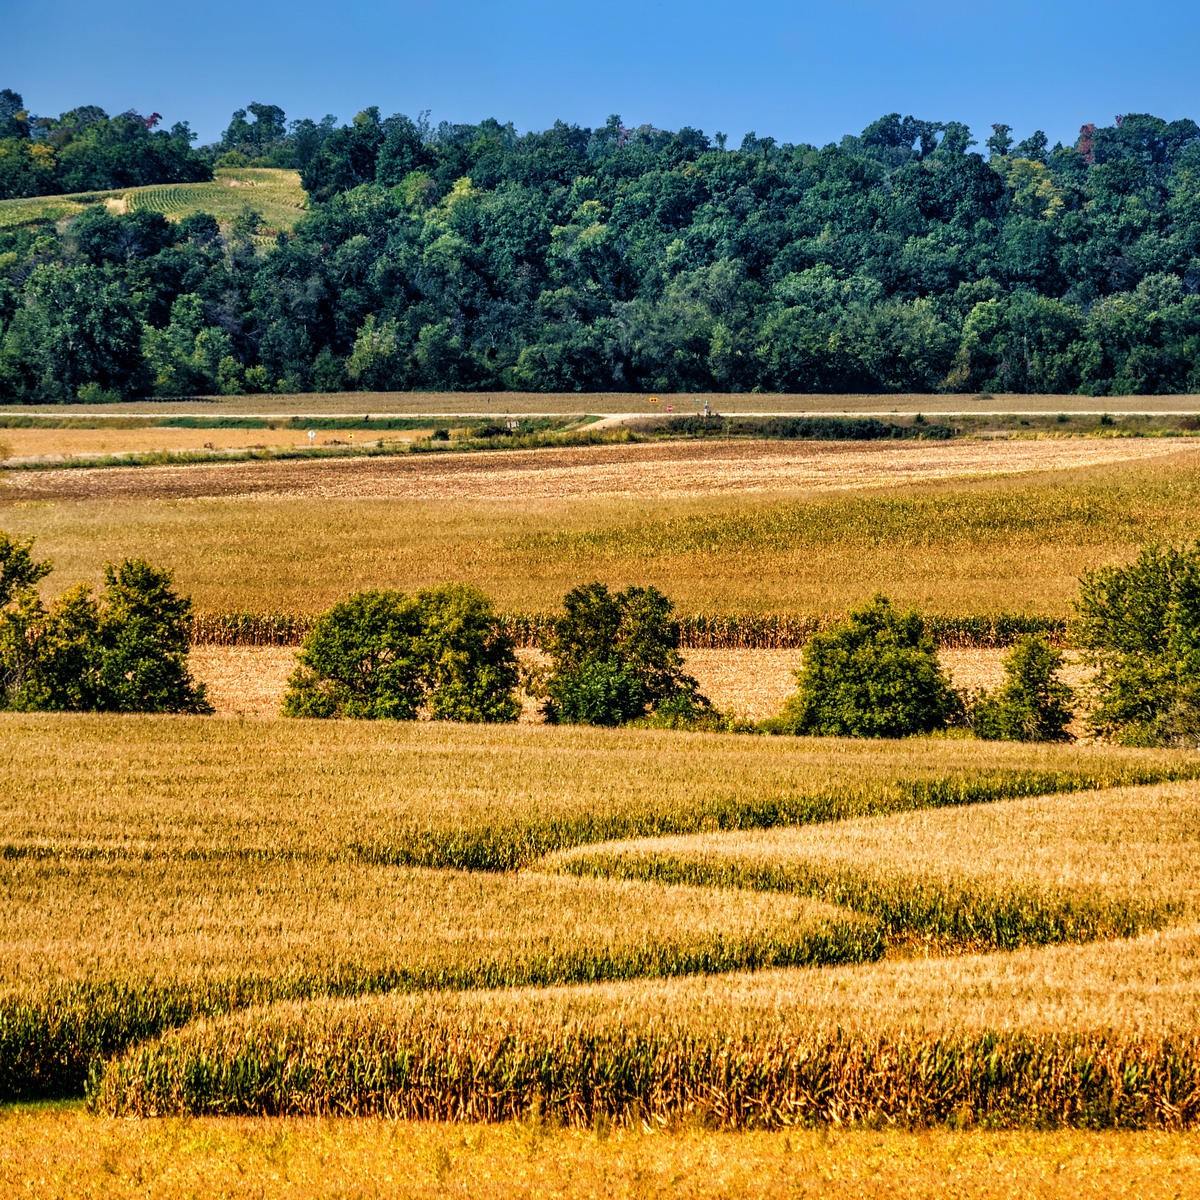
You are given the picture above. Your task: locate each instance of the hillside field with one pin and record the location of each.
(276, 195)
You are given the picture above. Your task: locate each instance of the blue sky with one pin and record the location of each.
(799, 72)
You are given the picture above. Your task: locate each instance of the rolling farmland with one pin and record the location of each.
(788, 531)
(618, 942)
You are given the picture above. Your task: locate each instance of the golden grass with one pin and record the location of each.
(60, 1152)
(443, 794)
(955, 547)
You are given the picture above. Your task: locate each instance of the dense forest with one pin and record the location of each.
(904, 258)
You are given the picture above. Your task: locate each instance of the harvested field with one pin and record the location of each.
(671, 470)
(634, 403)
(751, 684)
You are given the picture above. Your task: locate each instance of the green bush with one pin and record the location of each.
(875, 674)
(613, 657)
(1139, 626)
(382, 654)
(1034, 705)
(125, 651)
(695, 713)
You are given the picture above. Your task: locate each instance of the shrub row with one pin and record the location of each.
(429, 1070)
(768, 631)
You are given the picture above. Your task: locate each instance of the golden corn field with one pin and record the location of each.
(630, 955)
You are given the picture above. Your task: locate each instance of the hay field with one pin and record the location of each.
(981, 545)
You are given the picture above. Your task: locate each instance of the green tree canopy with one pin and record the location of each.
(614, 656)
(875, 674)
(384, 654)
(1139, 626)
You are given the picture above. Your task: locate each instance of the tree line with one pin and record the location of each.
(471, 257)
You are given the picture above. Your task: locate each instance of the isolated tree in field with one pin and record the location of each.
(1034, 705)
(614, 656)
(123, 651)
(875, 674)
(384, 654)
(1139, 626)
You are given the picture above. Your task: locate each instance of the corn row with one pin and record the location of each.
(700, 631)
(426, 1070)
(910, 908)
(50, 1041)
(510, 846)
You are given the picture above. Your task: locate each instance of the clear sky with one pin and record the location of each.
(799, 72)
